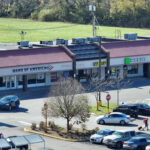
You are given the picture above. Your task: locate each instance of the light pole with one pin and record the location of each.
(118, 75)
(92, 8)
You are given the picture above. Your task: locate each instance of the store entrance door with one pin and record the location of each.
(146, 70)
(10, 82)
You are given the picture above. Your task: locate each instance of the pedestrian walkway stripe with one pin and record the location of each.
(25, 123)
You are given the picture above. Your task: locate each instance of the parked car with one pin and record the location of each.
(129, 109)
(114, 118)
(98, 137)
(9, 102)
(118, 137)
(144, 109)
(137, 143)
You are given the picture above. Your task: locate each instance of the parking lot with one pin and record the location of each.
(12, 123)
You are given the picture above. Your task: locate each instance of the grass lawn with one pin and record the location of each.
(36, 31)
(103, 109)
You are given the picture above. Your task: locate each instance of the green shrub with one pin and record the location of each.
(52, 125)
(70, 126)
(42, 125)
(83, 126)
(33, 126)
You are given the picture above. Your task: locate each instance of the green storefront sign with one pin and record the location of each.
(127, 61)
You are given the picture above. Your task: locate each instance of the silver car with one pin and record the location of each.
(98, 137)
(114, 118)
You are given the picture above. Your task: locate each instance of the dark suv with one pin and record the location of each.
(129, 109)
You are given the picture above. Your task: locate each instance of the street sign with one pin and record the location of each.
(108, 97)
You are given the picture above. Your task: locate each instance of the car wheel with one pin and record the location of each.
(122, 122)
(119, 145)
(139, 148)
(101, 122)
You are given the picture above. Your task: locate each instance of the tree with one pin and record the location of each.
(119, 84)
(98, 86)
(66, 103)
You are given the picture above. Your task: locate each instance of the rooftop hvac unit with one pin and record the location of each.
(130, 36)
(93, 39)
(61, 41)
(46, 42)
(79, 41)
(24, 44)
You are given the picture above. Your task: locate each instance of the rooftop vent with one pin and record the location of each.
(130, 36)
(93, 39)
(61, 41)
(79, 41)
(46, 42)
(24, 44)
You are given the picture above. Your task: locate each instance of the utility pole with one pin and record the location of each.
(92, 8)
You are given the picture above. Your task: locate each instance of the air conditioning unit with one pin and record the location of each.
(130, 36)
(94, 39)
(79, 41)
(24, 44)
(61, 41)
(46, 42)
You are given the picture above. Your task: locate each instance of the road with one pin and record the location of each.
(12, 123)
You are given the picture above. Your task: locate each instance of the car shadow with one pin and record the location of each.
(21, 109)
(126, 125)
(7, 125)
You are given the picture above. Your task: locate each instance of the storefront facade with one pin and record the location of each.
(37, 75)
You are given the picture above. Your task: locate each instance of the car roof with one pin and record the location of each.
(138, 137)
(108, 130)
(124, 130)
(10, 96)
(117, 113)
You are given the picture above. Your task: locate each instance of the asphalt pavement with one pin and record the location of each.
(12, 123)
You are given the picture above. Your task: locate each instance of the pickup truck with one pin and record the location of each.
(118, 137)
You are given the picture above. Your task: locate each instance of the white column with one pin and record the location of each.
(47, 78)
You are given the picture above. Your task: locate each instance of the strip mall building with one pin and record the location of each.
(33, 67)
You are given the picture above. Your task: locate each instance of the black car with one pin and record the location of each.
(129, 109)
(144, 109)
(9, 102)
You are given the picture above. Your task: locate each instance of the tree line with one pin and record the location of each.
(126, 13)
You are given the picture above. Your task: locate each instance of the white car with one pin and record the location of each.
(147, 147)
(113, 118)
(98, 137)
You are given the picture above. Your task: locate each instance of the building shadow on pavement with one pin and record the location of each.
(6, 125)
(21, 109)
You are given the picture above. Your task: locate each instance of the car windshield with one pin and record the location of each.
(145, 105)
(4, 99)
(102, 132)
(118, 134)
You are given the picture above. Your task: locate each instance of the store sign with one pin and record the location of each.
(134, 60)
(101, 63)
(32, 69)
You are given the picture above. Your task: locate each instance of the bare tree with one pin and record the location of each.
(67, 103)
(99, 86)
(119, 84)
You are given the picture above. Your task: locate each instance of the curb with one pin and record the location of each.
(48, 135)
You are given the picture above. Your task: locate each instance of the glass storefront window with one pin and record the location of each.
(41, 78)
(2, 82)
(132, 69)
(32, 79)
(20, 80)
(53, 76)
(113, 71)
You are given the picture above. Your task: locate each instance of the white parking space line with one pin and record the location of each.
(25, 123)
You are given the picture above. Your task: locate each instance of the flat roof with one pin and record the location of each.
(33, 56)
(128, 48)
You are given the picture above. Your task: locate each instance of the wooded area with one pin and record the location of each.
(126, 13)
